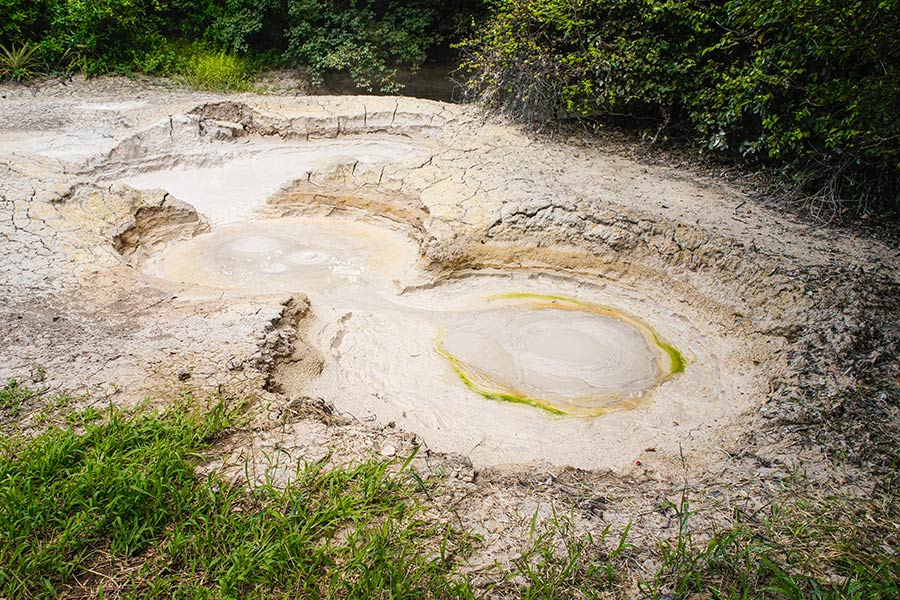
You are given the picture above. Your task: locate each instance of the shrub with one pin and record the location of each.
(807, 85)
(22, 21)
(367, 38)
(243, 26)
(105, 35)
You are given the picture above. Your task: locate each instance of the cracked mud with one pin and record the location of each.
(386, 273)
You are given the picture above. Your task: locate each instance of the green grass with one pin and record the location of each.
(88, 506)
(558, 563)
(823, 548)
(803, 549)
(216, 71)
(109, 503)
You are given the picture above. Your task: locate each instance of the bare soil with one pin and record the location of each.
(805, 318)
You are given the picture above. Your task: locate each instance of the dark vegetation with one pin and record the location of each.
(369, 39)
(806, 89)
(109, 503)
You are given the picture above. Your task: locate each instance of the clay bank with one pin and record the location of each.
(412, 264)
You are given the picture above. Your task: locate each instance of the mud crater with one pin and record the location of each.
(504, 365)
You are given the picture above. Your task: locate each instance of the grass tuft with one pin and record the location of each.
(560, 563)
(19, 63)
(12, 396)
(216, 71)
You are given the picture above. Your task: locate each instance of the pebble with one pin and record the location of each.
(388, 450)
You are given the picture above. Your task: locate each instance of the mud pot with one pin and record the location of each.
(545, 320)
(507, 366)
(466, 362)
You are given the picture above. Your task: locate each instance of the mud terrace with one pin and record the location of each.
(316, 254)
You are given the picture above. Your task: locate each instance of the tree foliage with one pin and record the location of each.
(363, 37)
(367, 38)
(811, 86)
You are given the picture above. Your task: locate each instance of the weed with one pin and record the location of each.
(59, 408)
(560, 563)
(19, 63)
(12, 395)
(803, 548)
(38, 374)
(218, 71)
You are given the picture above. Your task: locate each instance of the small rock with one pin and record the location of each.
(184, 375)
(388, 450)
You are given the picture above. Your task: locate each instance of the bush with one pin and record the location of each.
(102, 36)
(366, 38)
(808, 86)
(243, 26)
(22, 21)
(369, 39)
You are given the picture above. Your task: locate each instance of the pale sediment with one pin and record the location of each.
(399, 219)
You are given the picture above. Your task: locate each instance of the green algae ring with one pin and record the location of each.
(562, 355)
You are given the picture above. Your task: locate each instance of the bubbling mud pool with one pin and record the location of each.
(324, 257)
(559, 354)
(555, 353)
(489, 365)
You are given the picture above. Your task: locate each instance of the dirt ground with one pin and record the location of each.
(805, 318)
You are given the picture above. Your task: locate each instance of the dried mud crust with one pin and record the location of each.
(816, 309)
